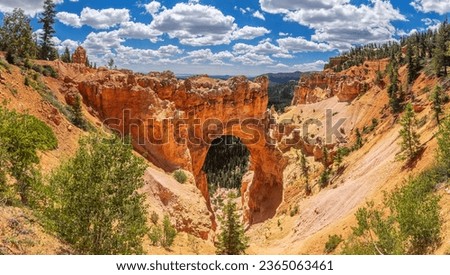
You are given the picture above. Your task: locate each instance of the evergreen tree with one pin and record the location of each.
(440, 51)
(231, 240)
(436, 99)
(410, 144)
(16, 36)
(305, 171)
(394, 88)
(78, 118)
(359, 140)
(65, 57)
(111, 63)
(168, 233)
(444, 146)
(48, 52)
(94, 201)
(411, 64)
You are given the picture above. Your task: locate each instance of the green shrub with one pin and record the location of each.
(443, 152)
(294, 211)
(22, 136)
(180, 176)
(412, 225)
(49, 71)
(325, 177)
(332, 243)
(37, 68)
(163, 235)
(5, 65)
(168, 233)
(155, 235)
(154, 218)
(93, 202)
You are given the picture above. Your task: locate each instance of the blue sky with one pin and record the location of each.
(248, 37)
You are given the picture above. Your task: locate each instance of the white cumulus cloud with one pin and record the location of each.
(202, 25)
(137, 30)
(300, 44)
(258, 14)
(30, 7)
(249, 33)
(97, 19)
(439, 6)
(339, 22)
(153, 7)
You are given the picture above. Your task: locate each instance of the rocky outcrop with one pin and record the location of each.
(183, 203)
(79, 56)
(172, 123)
(319, 86)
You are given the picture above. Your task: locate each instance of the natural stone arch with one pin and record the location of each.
(166, 117)
(264, 194)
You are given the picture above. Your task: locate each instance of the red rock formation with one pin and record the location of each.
(79, 56)
(319, 86)
(173, 121)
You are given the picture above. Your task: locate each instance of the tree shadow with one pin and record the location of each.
(412, 163)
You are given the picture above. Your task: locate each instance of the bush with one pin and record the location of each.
(180, 176)
(49, 71)
(154, 218)
(164, 235)
(93, 200)
(21, 136)
(443, 152)
(332, 243)
(324, 179)
(294, 211)
(412, 225)
(155, 235)
(168, 233)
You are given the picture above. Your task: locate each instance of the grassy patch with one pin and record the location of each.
(180, 176)
(332, 243)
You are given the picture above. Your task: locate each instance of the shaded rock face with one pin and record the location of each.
(79, 56)
(319, 86)
(172, 123)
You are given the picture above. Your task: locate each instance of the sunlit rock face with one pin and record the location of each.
(172, 123)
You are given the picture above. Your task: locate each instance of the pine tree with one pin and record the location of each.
(304, 166)
(47, 18)
(231, 240)
(16, 36)
(65, 57)
(440, 51)
(436, 99)
(359, 140)
(78, 118)
(410, 144)
(444, 146)
(94, 202)
(168, 233)
(411, 64)
(394, 88)
(111, 63)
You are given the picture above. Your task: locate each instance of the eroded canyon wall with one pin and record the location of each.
(172, 123)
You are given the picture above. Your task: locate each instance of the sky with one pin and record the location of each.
(229, 37)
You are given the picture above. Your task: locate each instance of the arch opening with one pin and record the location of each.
(226, 162)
